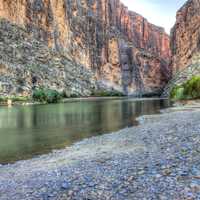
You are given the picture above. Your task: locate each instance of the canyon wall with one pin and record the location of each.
(117, 48)
(185, 35)
(185, 44)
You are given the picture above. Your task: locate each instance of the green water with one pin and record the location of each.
(26, 131)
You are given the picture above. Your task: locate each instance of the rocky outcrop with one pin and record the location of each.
(26, 64)
(184, 75)
(185, 35)
(185, 45)
(121, 49)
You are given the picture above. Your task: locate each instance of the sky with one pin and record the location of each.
(158, 12)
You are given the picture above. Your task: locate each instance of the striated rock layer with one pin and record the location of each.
(119, 47)
(26, 64)
(185, 35)
(185, 45)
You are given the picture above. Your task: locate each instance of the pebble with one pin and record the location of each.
(65, 185)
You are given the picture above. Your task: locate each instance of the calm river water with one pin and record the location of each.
(26, 131)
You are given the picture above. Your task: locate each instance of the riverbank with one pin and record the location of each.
(64, 100)
(49, 96)
(67, 100)
(159, 159)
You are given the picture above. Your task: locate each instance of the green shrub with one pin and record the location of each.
(46, 95)
(19, 98)
(2, 99)
(14, 98)
(39, 95)
(188, 90)
(177, 93)
(192, 88)
(52, 96)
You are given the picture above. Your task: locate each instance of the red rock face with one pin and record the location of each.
(185, 35)
(124, 51)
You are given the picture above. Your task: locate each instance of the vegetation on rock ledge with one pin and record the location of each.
(187, 90)
(46, 95)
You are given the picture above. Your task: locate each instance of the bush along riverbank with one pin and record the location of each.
(189, 90)
(15, 100)
(38, 96)
(49, 96)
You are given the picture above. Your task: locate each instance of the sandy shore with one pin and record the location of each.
(159, 159)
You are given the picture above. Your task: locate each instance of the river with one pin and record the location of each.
(27, 131)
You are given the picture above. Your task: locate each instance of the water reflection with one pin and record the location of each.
(32, 130)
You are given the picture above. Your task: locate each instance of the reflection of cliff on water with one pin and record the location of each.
(27, 131)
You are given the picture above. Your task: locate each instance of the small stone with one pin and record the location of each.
(51, 195)
(166, 172)
(162, 197)
(70, 192)
(141, 172)
(131, 178)
(195, 187)
(158, 175)
(65, 185)
(184, 173)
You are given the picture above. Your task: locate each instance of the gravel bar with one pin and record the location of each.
(157, 160)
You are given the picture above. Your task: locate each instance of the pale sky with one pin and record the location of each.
(158, 12)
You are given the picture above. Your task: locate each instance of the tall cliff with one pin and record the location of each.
(185, 35)
(116, 48)
(185, 44)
